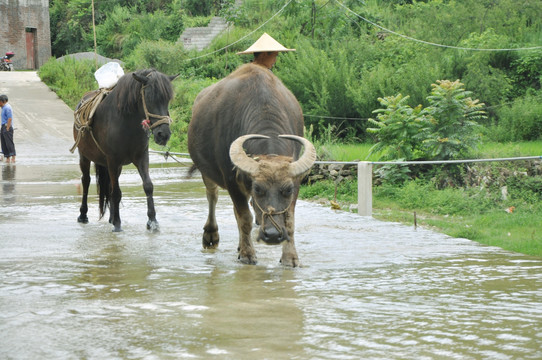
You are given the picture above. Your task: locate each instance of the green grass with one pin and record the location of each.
(519, 231)
(355, 152)
(348, 152)
(473, 213)
(525, 148)
(447, 211)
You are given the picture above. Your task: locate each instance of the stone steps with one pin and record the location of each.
(201, 37)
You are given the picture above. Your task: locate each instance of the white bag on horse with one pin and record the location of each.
(108, 75)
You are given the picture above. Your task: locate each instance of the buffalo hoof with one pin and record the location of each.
(210, 240)
(248, 259)
(82, 219)
(289, 261)
(152, 226)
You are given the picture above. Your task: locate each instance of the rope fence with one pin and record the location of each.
(365, 176)
(365, 172)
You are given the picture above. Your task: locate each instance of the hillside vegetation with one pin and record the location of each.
(350, 53)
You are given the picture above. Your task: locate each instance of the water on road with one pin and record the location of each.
(367, 289)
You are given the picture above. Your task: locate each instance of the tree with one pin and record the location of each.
(453, 129)
(398, 129)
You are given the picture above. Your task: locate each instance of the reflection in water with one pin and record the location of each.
(252, 313)
(8, 183)
(111, 273)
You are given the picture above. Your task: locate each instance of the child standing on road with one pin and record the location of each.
(6, 133)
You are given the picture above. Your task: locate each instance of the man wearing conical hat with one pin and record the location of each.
(265, 51)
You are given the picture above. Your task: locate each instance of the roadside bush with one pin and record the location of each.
(527, 72)
(445, 130)
(522, 120)
(525, 188)
(161, 55)
(346, 191)
(318, 81)
(181, 109)
(69, 79)
(453, 131)
(125, 29)
(398, 128)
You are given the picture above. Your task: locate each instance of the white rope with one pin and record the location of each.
(334, 117)
(167, 153)
(431, 162)
(427, 42)
(244, 37)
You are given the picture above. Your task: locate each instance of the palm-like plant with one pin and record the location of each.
(453, 130)
(398, 128)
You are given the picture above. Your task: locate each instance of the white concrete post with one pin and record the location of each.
(365, 188)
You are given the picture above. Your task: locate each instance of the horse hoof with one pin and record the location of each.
(117, 229)
(153, 226)
(210, 240)
(82, 219)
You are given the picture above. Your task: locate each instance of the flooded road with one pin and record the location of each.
(367, 289)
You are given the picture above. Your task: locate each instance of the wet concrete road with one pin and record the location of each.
(367, 290)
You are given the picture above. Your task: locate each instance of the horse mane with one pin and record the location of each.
(157, 90)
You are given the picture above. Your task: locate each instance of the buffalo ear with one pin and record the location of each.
(173, 77)
(142, 79)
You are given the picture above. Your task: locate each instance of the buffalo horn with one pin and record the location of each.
(240, 158)
(304, 163)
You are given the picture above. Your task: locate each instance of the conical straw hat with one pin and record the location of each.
(265, 44)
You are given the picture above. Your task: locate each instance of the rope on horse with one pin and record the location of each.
(83, 116)
(163, 119)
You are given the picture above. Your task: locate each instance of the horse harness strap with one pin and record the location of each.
(83, 116)
(162, 119)
(270, 213)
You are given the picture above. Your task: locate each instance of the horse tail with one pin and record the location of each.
(104, 187)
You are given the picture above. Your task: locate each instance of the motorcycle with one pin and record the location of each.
(5, 62)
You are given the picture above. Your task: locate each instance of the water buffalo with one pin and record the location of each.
(251, 112)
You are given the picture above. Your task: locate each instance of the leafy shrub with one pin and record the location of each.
(528, 72)
(69, 79)
(453, 131)
(445, 130)
(398, 129)
(521, 120)
(393, 174)
(317, 80)
(125, 28)
(161, 55)
(181, 109)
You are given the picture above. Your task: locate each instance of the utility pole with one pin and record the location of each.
(94, 31)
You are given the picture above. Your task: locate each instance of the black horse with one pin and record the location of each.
(118, 134)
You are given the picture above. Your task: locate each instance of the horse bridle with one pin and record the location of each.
(147, 123)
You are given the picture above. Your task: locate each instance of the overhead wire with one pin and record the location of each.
(428, 42)
(244, 37)
(375, 25)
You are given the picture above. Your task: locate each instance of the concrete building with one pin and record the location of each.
(25, 30)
